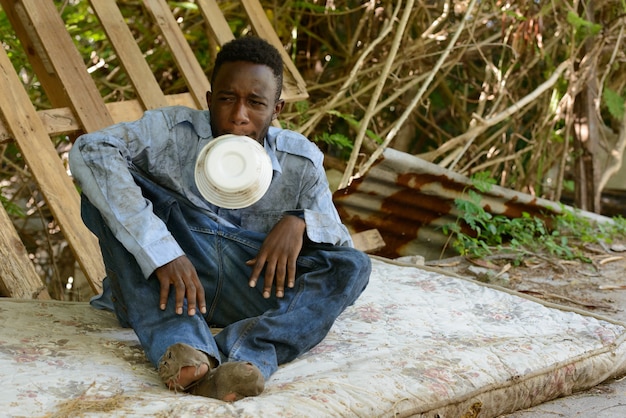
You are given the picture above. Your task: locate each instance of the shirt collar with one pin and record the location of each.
(270, 147)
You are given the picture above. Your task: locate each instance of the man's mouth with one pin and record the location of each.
(242, 134)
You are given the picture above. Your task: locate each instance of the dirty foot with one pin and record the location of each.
(188, 376)
(231, 382)
(184, 368)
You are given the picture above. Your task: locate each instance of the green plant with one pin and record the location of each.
(478, 233)
(11, 208)
(583, 27)
(484, 235)
(614, 103)
(336, 139)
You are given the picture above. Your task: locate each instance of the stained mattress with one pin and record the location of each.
(418, 342)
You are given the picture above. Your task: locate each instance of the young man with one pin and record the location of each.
(274, 275)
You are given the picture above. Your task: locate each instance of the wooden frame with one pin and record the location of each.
(78, 107)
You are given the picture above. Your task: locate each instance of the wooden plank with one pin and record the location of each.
(294, 86)
(130, 110)
(368, 241)
(22, 121)
(18, 277)
(67, 63)
(197, 82)
(59, 121)
(129, 54)
(35, 53)
(215, 20)
(62, 121)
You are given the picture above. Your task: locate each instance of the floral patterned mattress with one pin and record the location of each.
(417, 343)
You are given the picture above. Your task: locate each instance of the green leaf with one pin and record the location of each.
(515, 15)
(339, 140)
(483, 181)
(12, 208)
(614, 102)
(186, 5)
(356, 124)
(582, 26)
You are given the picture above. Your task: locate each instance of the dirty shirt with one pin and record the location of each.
(163, 146)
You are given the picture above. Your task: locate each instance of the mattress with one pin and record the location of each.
(418, 342)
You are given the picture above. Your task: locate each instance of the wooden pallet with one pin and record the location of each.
(78, 107)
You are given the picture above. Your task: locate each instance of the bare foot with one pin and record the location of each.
(183, 365)
(188, 375)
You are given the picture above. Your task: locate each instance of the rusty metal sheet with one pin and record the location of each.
(408, 200)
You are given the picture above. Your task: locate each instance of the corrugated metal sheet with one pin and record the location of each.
(408, 200)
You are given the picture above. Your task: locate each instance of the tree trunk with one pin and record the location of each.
(587, 135)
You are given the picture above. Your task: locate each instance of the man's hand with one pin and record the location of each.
(278, 255)
(182, 275)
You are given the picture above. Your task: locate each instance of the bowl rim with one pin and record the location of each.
(236, 199)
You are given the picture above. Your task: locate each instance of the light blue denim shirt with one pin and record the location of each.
(164, 145)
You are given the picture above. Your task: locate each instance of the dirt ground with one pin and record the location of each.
(598, 287)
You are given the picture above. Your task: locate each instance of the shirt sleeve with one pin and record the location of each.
(315, 201)
(323, 224)
(100, 162)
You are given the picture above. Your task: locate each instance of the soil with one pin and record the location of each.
(598, 286)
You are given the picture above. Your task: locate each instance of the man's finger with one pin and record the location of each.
(269, 280)
(291, 272)
(256, 271)
(201, 299)
(180, 296)
(190, 289)
(165, 292)
(279, 278)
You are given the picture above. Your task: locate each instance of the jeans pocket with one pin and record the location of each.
(260, 221)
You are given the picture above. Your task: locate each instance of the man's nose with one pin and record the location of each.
(240, 113)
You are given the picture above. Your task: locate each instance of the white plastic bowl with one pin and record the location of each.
(233, 171)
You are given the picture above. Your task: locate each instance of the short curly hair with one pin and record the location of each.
(251, 49)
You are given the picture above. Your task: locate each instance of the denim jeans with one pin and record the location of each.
(265, 332)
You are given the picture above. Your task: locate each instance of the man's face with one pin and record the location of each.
(243, 100)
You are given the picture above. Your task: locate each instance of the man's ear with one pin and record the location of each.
(208, 98)
(278, 107)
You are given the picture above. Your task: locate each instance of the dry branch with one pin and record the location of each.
(484, 124)
(354, 73)
(379, 88)
(418, 97)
